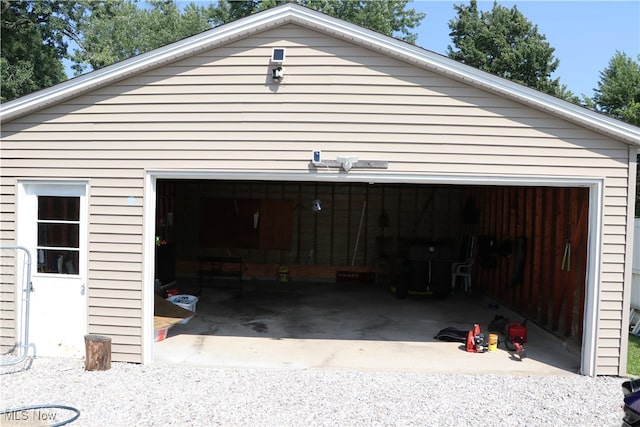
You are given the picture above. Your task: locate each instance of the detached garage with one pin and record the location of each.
(293, 139)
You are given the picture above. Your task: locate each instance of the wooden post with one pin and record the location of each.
(98, 357)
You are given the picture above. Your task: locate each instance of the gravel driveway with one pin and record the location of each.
(157, 395)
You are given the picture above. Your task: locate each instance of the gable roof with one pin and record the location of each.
(293, 13)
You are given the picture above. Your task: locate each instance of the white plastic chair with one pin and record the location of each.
(461, 269)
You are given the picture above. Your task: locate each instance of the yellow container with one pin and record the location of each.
(493, 342)
(283, 273)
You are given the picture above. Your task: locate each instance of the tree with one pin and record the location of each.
(504, 43)
(389, 17)
(32, 35)
(618, 91)
(107, 32)
(618, 95)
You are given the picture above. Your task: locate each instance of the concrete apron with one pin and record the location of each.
(349, 326)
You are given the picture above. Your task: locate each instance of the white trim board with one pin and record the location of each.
(589, 341)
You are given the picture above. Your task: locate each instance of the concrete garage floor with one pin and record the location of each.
(300, 325)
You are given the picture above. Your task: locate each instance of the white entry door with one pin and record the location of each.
(52, 225)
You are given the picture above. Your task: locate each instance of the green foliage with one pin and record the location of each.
(108, 32)
(618, 95)
(228, 11)
(386, 17)
(503, 42)
(618, 92)
(633, 355)
(391, 18)
(32, 43)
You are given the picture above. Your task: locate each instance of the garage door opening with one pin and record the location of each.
(392, 244)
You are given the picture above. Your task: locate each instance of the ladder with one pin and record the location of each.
(634, 321)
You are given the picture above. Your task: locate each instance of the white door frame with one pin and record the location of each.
(25, 233)
(594, 233)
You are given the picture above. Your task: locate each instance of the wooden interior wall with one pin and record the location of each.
(551, 291)
(358, 222)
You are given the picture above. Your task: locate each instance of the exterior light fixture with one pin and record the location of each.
(278, 55)
(277, 74)
(347, 162)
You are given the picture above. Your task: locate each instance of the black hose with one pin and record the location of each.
(33, 408)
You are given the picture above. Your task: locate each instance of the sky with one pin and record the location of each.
(585, 34)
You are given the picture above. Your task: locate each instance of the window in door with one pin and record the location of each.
(58, 244)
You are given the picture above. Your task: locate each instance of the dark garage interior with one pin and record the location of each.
(528, 244)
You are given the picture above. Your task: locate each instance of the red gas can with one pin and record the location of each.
(517, 332)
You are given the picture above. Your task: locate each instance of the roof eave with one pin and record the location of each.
(303, 16)
(156, 58)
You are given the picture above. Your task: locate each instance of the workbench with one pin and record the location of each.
(219, 271)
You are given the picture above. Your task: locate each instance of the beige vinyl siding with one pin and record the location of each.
(219, 111)
(115, 264)
(7, 211)
(7, 267)
(8, 315)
